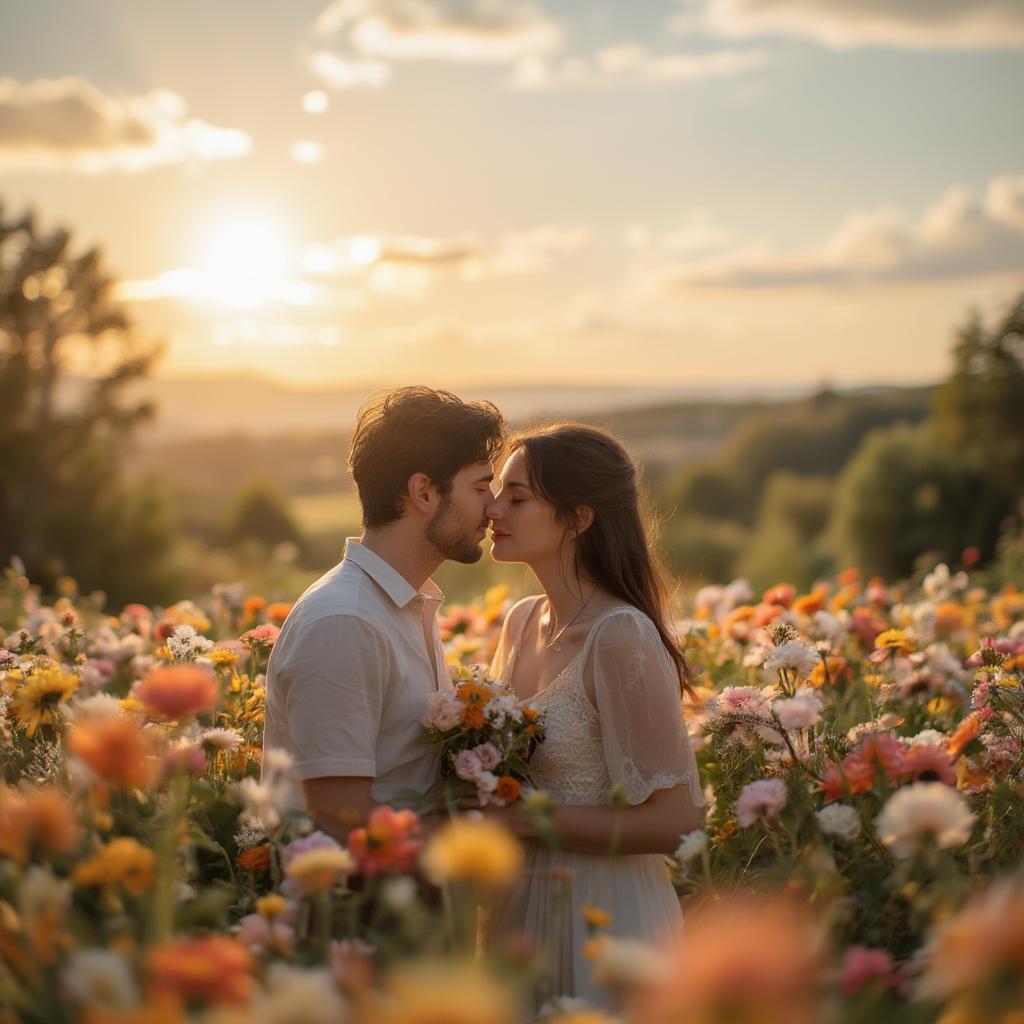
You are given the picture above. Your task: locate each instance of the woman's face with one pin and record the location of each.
(523, 526)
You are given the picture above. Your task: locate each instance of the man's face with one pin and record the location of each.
(460, 524)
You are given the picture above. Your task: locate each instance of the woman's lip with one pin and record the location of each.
(498, 535)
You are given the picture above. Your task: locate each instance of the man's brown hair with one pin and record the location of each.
(417, 430)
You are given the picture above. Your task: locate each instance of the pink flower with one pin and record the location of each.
(444, 711)
(488, 755)
(761, 799)
(388, 844)
(255, 932)
(467, 765)
(740, 700)
(262, 636)
(863, 967)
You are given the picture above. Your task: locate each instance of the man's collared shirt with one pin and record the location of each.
(350, 675)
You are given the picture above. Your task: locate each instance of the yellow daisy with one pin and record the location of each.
(37, 701)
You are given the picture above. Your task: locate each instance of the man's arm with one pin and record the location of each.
(338, 804)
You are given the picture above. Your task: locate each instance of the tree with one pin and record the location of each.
(68, 356)
(979, 411)
(261, 514)
(904, 495)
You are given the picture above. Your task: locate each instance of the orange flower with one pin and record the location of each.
(211, 968)
(810, 603)
(508, 789)
(116, 749)
(837, 670)
(737, 622)
(253, 605)
(389, 843)
(178, 691)
(42, 817)
(848, 576)
(473, 718)
(255, 859)
(781, 594)
(966, 731)
(949, 618)
(766, 613)
(278, 611)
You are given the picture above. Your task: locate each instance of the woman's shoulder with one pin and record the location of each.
(623, 624)
(517, 615)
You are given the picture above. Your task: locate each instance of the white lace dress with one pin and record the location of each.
(632, 733)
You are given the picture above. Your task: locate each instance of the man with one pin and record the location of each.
(360, 652)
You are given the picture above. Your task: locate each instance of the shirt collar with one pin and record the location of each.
(393, 583)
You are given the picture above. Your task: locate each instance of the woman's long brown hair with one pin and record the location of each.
(571, 465)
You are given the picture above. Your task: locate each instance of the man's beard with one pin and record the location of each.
(453, 538)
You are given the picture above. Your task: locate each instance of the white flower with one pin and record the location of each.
(800, 712)
(185, 641)
(501, 708)
(923, 813)
(839, 820)
(99, 705)
(99, 978)
(793, 654)
(222, 739)
(399, 893)
(939, 584)
(691, 845)
(298, 994)
(928, 737)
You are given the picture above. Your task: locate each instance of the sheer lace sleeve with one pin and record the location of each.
(508, 639)
(632, 682)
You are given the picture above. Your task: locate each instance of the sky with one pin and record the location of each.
(645, 192)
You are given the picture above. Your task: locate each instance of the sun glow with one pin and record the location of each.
(246, 262)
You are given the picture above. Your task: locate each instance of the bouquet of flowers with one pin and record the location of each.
(485, 735)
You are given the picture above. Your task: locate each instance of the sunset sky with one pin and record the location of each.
(691, 192)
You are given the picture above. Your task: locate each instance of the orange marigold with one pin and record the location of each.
(508, 789)
(966, 731)
(255, 859)
(115, 749)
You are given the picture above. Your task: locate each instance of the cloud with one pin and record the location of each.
(407, 265)
(476, 31)
(633, 61)
(957, 237)
(843, 24)
(340, 73)
(69, 124)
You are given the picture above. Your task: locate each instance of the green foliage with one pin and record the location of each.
(793, 514)
(710, 490)
(63, 505)
(700, 551)
(904, 494)
(979, 411)
(261, 514)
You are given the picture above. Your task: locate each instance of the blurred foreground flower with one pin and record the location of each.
(922, 814)
(209, 968)
(178, 691)
(475, 851)
(389, 843)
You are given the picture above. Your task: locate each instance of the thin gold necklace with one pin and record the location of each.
(555, 641)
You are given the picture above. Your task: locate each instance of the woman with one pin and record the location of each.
(595, 653)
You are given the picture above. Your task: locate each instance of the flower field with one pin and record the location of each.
(860, 747)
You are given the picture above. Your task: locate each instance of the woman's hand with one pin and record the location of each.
(511, 816)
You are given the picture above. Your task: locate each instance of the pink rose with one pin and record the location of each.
(488, 755)
(467, 765)
(444, 711)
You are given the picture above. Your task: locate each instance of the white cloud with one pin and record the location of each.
(69, 124)
(633, 61)
(342, 73)
(487, 31)
(956, 237)
(913, 24)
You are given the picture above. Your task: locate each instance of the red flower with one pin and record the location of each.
(388, 844)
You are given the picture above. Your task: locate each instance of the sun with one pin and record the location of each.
(246, 262)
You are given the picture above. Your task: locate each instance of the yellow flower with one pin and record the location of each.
(270, 906)
(36, 702)
(122, 862)
(222, 657)
(593, 948)
(596, 917)
(475, 851)
(894, 640)
(431, 992)
(320, 869)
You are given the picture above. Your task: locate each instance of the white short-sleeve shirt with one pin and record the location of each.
(350, 675)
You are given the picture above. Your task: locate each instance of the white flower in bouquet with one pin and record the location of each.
(839, 820)
(924, 813)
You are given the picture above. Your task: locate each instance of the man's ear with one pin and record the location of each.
(584, 519)
(421, 494)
